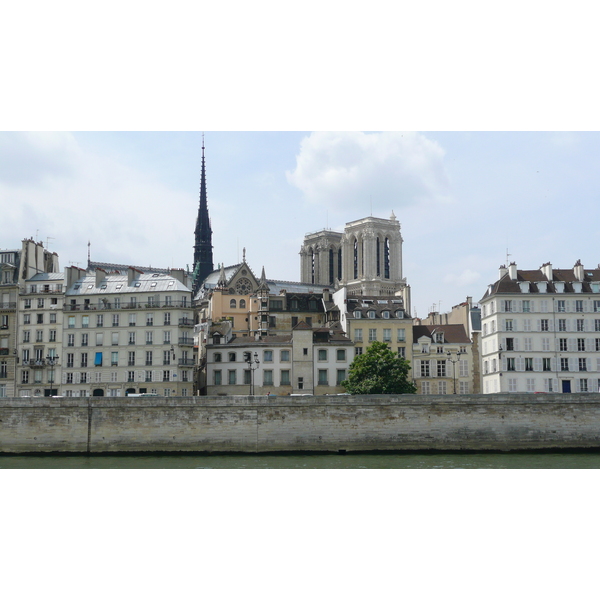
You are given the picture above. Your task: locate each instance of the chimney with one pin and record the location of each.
(178, 274)
(132, 273)
(578, 270)
(502, 272)
(326, 295)
(100, 276)
(546, 269)
(512, 271)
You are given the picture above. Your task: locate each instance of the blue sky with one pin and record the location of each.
(462, 199)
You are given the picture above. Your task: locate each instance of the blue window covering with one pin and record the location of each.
(98, 359)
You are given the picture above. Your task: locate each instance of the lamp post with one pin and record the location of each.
(454, 361)
(252, 362)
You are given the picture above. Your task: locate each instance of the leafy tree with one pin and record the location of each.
(379, 371)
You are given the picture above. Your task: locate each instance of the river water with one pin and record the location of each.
(372, 460)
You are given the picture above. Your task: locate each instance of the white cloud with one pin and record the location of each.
(341, 171)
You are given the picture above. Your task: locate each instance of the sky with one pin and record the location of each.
(465, 200)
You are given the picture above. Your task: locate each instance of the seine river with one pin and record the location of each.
(374, 460)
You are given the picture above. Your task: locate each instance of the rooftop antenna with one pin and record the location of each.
(47, 242)
(89, 250)
(326, 219)
(507, 255)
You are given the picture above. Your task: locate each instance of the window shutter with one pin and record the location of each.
(516, 344)
(589, 345)
(551, 324)
(77, 377)
(520, 364)
(418, 368)
(64, 376)
(553, 363)
(572, 364)
(598, 364)
(156, 376)
(537, 363)
(539, 324)
(504, 364)
(140, 375)
(571, 344)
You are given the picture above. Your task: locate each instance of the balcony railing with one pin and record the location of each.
(125, 306)
(8, 305)
(186, 322)
(186, 341)
(40, 363)
(186, 362)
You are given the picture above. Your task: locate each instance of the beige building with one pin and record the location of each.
(375, 319)
(442, 359)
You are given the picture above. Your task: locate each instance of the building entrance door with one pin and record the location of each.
(98, 392)
(566, 387)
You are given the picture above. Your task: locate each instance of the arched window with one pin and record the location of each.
(232, 303)
(355, 258)
(242, 303)
(378, 257)
(386, 259)
(331, 276)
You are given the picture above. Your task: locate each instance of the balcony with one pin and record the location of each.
(8, 305)
(186, 322)
(125, 306)
(185, 341)
(185, 362)
(40, 363)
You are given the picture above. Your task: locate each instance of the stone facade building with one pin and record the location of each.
(541, 330)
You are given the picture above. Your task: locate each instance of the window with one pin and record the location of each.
(526, 306)
(583, 385)
(372, 335)
(580, 344)
(425, 387)
(529, 364)
(322, 354)
(71, 323)
(527, 344)
(70, 360)
(114, 338)
(84, 359)
(580, 325)
(40, 303)
(132, 320)
(510, 344)
(268, 377)
(3, 369)
(285, 356)
(402, 352)
(583, 364)
(358, 337)
(596, 305)
(247, 376)
(217, 356)
(27, 303)
(560, 306)
(149, 337)
(268, 356)
(341, 354)
(232, 303)
(358, 351)
(285, 377)
(167, 318)
(166, 337)
(387, 335)
(562, 344)
(148, 358)
(545, 364)
(232, 377)
(300, 383)
(578, 305)
(99, 320)
(562, 324)
(130, 376)
(70, 339)
(323, 377)
(512, 385)
(232, 356)
(463, 368)
(131, 359)
(442, 387)
(85, 322)
(115, 320)
(52, 317)
(597, 344)
(242, 303)
(385, 314)
(149, 319)
(510, 364)
(166, 357)
(401, 335)
(371, 314)
(357, 314)
(596, 324)
(463, 387)
(26, 336)
(544, 325)
(114, 359)
(84, 339)
(166, 376)
(340, 376)
(132, 338)
(441, 368)
(508, 305)
(424, 368)
(564, 364)
(509, 325)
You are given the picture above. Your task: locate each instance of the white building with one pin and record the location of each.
(127, 333)
(541, 330)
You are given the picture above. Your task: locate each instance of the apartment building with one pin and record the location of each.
(541, 330)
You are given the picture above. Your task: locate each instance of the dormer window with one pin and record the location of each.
(357, 314)
(385, 314)
(400, 314)
(439, 338)
(371, 314)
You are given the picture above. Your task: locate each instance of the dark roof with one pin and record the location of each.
(453, 334)
(376, 303)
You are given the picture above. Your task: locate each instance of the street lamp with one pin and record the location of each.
(252, 362)
(454, 361)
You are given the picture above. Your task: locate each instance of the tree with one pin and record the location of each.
(379, 371)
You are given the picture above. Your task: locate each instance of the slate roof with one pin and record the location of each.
(453, 334)
(376, 303)
(117, 284)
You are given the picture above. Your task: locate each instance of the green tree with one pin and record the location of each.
(379, 371)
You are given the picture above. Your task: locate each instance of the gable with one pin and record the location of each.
(242, 282)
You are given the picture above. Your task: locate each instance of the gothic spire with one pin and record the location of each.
(203, 258)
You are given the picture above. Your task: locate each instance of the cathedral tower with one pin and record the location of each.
(203, 257)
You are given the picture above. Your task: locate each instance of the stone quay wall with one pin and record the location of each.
(300, 424)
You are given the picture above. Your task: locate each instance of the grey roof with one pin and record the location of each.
(47, 277)
(92, 266)
(117, 284)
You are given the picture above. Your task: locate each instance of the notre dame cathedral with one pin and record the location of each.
(366, 258)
